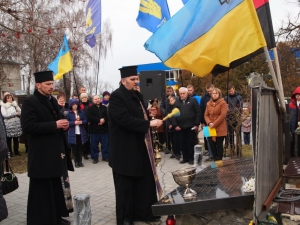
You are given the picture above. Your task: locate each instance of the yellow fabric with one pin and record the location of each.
(64, 65)
(236, 35)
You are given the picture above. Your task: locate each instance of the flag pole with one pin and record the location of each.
(274, 78)
(75, 83)
(98, 69)
(278, 70)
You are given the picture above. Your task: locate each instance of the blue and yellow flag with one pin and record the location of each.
(93, 21)
(209, 36)
(63, 62)
(152, 14)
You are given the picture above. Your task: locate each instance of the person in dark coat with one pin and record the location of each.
(165, 109)
(3, 154)
(76, 132)
(294, 107)
(204, 100)
(131, 153)
(84, 105)
(49, 197)
(97, 116)
(233, 118)
(187, 124)
(172, 133)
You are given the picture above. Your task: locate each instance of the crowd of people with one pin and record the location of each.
(225, 114)
(125, 125)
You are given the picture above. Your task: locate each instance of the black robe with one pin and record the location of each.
(128, 157)
(48, 161)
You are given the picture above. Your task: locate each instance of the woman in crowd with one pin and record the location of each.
(215, 114)
(155, 113)
(63, 107)
(246, 126)
(76, 133)
(11, 113)
(84, 105)
(105, 100)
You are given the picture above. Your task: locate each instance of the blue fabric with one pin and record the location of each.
(71, 133)
(103, 139)
(152, 14)
(197, 97)
(195, 19)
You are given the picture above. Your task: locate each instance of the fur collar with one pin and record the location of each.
(9, 104)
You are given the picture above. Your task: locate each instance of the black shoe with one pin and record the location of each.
(167, 152)
(62, 221)
(183, 161)
(95, 161)
(206, 153)
(126, 222)
(80, 164)
(105, 159)
(191, 162)
(77, 165)
(178, 156)
(85, 157)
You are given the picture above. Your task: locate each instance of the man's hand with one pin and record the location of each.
(62, 124)
(156, 123)
(211, 125)
(170, 127)
(177, 128)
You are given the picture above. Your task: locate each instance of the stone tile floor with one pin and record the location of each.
(95, 180)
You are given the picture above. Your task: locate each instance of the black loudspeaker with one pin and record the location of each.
(153, 84)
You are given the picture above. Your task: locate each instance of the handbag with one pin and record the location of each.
(9, 180)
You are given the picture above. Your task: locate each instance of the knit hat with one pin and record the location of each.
(43, 76)
(83, 95)
(72, 102)
(106, 93)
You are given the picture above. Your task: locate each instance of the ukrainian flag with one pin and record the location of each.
(63, 62)
(208, 36)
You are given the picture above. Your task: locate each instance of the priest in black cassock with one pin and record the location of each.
(49, 197)
(131, 152)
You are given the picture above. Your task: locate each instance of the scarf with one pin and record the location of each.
(150, 154)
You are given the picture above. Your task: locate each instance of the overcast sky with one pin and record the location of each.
(129, 38)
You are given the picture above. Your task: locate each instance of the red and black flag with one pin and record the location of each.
(264, 15)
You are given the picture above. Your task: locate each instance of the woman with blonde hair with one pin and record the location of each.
(215, 117)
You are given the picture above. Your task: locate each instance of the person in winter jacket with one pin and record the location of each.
(11, 113)
(105, 100)
(3, 154)
(84, 105)
(204, 99)
(76, 133)
(187, 124)
(246, 126)
(215, 115)
(294, 107)
(172, 133)
(97, 116)
(234, 116)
